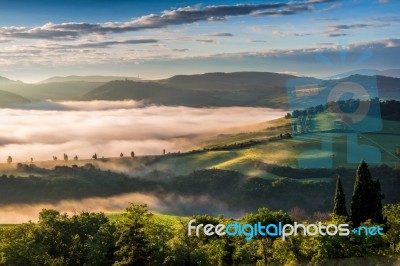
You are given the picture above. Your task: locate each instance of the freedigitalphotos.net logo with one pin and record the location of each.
(249, 231)
(351, 108)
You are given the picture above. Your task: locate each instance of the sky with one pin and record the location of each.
(158, 39)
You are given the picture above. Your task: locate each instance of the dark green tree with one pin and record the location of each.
(133, 247)
(366, 202)
(339, 204)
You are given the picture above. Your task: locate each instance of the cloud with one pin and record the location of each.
(355, 47)
(383, 1)
(110, 43)
(205, 40)
(221, 34)
(180, 16)
(340, 30)
(109, 128)
(336, 34)
(386, 19)
(180, 50)
(332, 7)
(326, 19)
(326, 43)
(287, 34)
(351, 26)
(357, 56)
(257, 41)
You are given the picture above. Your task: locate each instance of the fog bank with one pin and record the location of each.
(108, 128)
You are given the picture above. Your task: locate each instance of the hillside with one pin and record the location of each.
(388, 87)
(257, 167)
(261, 89)
(71, 90)
(7, 99)
(4, 80)
(212, 89)
(230, 82)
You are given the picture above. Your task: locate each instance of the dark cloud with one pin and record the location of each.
(386, 19)
(325, 43)
(347, 27)
(336, 34)
(205, 40)
(221, 34)
(326, 19)
(180, 50)
(112, 43)
(340, 30)
(261, 41)
(187, 15)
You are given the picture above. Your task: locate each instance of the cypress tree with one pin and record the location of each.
(366, 202)
(339, 207)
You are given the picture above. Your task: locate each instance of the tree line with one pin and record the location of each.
(389, 109)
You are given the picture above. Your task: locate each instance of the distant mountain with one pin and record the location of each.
(4, 80)
(127, 89)
(231, 89)
(103, 79)
(56, 91)
(388, 87)
(211, 89)
(230, 82)
(261, 89)
(394, 73)
(8, 99)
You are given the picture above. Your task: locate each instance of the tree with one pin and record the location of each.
(266, 216)
(132, 241)
(339, 205)
(132, 154)
(366, 202)
(9, 159)
(121, 155)
(95, 156)
(392, 236)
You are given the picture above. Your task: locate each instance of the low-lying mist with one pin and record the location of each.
(43, 130)
(171, 204)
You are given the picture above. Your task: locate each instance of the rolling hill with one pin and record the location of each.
(8, 99)
(4, 80)
(255, 89)
(56, 91)
(211, 89)
(260, 89)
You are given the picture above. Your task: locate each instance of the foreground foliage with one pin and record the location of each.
(138, 237)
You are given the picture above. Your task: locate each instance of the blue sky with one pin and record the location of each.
(156, 39)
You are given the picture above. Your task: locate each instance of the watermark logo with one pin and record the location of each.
(249, 231)
(326, 109)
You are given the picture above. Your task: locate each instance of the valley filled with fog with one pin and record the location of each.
(46, 129)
